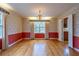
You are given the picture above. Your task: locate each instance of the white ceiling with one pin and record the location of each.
(47, 9)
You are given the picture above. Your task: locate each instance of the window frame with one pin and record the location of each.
(39, 27)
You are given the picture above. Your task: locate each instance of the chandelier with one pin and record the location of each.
(39, 15)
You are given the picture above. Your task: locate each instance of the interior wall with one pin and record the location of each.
(53, 28)
(53, 25)
(26, 28)
(75, 11)
(26, 25)
(13, 27)
(76, 31)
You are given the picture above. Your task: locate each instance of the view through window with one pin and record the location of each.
(39, 27)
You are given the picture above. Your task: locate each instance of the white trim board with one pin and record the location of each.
(26, 38)
(52, 38)
(0, 50)
(77, 49)
(14, 43)
(39, 38)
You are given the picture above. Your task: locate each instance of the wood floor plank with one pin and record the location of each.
(38, 48)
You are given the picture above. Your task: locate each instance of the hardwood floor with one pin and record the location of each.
(69, 51)
(38, 48)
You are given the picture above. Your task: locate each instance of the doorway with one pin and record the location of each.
(66, 30)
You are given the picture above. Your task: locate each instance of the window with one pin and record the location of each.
(0, 26)
(39, 27)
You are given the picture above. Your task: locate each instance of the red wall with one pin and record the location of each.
(39, 35)
(76, 42)
(0, 43)
(53, 34)
(14, 37)
(26, 35)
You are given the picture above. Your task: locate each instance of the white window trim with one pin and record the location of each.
(39, 29)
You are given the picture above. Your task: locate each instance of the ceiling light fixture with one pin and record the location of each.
(39, 15)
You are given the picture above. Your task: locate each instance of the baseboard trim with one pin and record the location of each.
(53, 38)
(0, 50)
(76, 49)
(26, 38)
(39, 38)
(33, 38)
(15, 43)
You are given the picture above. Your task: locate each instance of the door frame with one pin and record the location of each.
(70, 24)
(70, 30)
(60, 29)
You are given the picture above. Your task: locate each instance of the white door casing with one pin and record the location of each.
(70, 31)
(60, 30)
